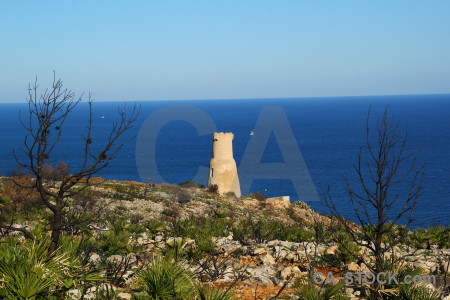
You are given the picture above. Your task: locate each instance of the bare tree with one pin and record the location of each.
(320, 234)
(383, 165)
(44, 123)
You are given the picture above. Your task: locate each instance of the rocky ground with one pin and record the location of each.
(269, 265)
(257, 269)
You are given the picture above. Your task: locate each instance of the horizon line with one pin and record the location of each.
(255, 98)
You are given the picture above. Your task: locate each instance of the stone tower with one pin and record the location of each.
(222, 168)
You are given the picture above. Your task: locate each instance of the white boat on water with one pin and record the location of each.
(252, 133)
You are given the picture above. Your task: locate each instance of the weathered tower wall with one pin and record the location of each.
(222, 168)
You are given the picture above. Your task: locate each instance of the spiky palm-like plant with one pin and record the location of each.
(402, 291)
(308, 290)
(28, 272)
(166, 279)
(209, 293)
(417, 292)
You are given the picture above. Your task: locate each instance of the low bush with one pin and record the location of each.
(183, 197)
(116, 240)
(231, 196)
(422, 238)
(191, 184)
(346, 252)
(402, 291)
(213, 189)
(166, 279)
(210, 293)
(261, 231)
(258, 196)
(306, 289)
(29, 272)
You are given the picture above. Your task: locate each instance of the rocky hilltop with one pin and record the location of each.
(257, 248)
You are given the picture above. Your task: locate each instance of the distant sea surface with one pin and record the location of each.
(328, 131)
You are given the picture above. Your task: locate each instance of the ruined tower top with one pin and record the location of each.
(223, 145)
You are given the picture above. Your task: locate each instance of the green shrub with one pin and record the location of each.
(220, 213)
(301, 204)
(116, 240)
(307, 290)
(202, 230)
(4, 200)
(241, 232)
(126, 192)
(183, 197)
(295, 234)
(417, 292)
(210, 293)
(29, 272)
(256, 230)
(193, 228)
(420, 239)
(213, 189)
(166, 279)
(346, 252)
(260, 231)
(440, 236)
(191, 184)
(231, 196)
(154, 227)
(258, 196)
(402, 291)
(114, 243)
(435, 235)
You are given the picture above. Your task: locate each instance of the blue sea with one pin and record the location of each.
(326, 132)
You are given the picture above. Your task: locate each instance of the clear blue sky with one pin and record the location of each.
(187, 49)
